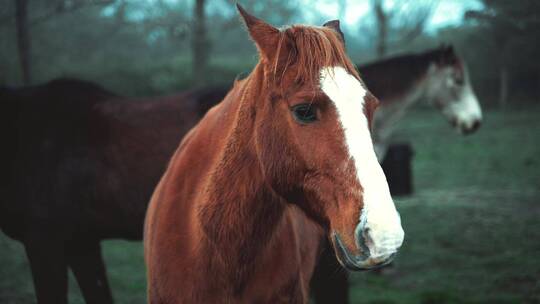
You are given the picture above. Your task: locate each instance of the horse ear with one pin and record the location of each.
(265, 36)
(334, 24)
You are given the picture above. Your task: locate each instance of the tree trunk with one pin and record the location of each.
(23, 38)
(342, 10)
(200, 45)
(503, 86)
(382, 28)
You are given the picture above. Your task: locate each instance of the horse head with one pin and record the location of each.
(449, 88)
(313, 140)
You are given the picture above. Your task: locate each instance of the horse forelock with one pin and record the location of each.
(305, 50)
(302, 52)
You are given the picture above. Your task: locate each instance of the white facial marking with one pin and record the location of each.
(459, 103)
(379, 213)
(467, 109)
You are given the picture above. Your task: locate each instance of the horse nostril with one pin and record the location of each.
(363, 238)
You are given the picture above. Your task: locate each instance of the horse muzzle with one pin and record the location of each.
(467, 129)
(363, 261)
(377, 245)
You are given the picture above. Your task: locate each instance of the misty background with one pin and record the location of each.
(149, 47)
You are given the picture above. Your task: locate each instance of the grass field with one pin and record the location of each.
(472, 227)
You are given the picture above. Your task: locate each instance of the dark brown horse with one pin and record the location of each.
(80, 170)
(285, 160)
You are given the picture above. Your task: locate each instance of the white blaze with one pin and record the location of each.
(379, 213)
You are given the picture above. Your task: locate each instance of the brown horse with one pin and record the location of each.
(285, 159)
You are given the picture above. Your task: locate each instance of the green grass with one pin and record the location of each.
(472, 226)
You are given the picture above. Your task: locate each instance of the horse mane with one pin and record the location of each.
(310, 49)
(440, 55)
(395, 75)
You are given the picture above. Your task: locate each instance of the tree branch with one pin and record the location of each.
(62, 7)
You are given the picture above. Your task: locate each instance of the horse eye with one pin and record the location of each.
(304, 113)
(459, 81)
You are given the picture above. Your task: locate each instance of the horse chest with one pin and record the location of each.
(282, 275)
(279, 274)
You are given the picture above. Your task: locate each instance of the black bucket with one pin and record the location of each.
(397, 168)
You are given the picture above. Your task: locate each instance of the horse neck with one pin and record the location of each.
(399, 97)
(241, 211)
(393, 79)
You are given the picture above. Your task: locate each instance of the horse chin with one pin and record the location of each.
(466, 127)
(357, 262)
(470, 129)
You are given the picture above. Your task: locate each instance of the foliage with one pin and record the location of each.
(511, 30)
(144, 47)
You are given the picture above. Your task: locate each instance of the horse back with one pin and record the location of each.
(39, 125)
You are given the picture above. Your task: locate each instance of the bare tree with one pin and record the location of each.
(382, 27)
(23, 38)
(200, 44)
(400, 23)
(505, 33)
(342, 8)
(23, 24)
(52, 9)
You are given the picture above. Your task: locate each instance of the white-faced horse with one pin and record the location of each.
(437, 76)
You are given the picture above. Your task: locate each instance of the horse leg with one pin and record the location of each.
(87, 265)
(49, 267)
(330, 281)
